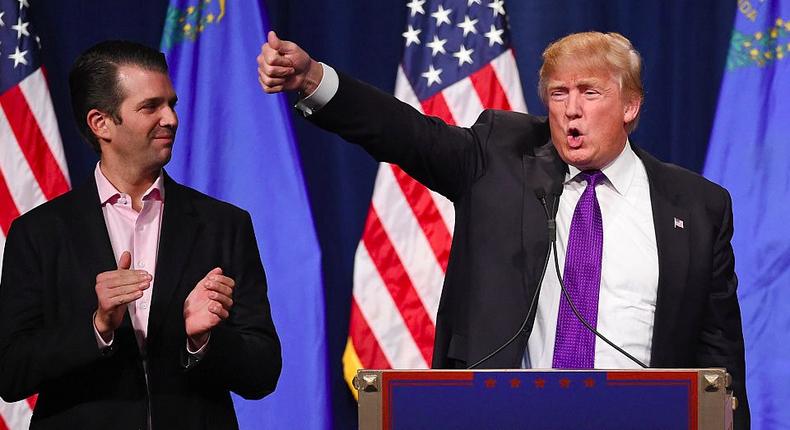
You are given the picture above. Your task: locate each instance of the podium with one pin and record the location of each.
(544, 399)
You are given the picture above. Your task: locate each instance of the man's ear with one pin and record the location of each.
(631, 111)
(99, 123)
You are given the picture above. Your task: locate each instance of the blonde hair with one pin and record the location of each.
(596, 51)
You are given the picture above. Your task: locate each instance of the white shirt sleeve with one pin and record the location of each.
(326, 89)
(201, 352)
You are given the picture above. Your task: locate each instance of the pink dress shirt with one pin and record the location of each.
(136, 232)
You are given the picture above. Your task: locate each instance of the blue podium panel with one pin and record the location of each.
(541, 400)
(518, 399)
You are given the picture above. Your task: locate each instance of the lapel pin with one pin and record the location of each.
(678, 223)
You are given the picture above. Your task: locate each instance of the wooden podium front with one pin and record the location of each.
(544, 399)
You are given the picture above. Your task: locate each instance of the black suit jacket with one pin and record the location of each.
(491, 171)
(47, 299)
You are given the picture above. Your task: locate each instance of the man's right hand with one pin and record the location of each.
(115, 289)
(284, 66)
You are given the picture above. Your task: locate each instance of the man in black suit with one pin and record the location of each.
(663, 269)
(133, 301)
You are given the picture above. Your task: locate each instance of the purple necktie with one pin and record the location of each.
(574, 346)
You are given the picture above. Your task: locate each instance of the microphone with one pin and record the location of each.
(552, 233)
(551, 223)
(552, 227)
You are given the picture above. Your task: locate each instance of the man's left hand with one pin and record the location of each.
(208, 304)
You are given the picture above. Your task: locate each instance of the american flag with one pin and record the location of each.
(456, 63)
(32, 164)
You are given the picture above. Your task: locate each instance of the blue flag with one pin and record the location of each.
(236, 144)
(749, 154)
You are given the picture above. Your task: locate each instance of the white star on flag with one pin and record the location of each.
(436, 45)
(468, 25)
(416, 7)
(21, 28)
(498, 7)
(411, 36)
(494, 36)
(23, 3)
(432, 75)
(463, 55)
(442, 16)
(2, 24)
(453, 74)
(18, 57)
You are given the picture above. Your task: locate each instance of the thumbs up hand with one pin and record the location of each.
(284, 66)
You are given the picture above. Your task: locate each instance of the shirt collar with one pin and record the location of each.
(619, 173)
(108, 192)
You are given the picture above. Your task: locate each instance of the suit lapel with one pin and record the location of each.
(179, 229)
(88, 231)
(544, 173)
(90, 241)
(670, 218)
(547, 170)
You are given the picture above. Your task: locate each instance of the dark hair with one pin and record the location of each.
(93, 79)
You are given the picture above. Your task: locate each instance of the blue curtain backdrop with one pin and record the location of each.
(235, 143)
(684, 45)
(749, 154)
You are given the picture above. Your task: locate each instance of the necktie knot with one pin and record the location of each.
(593, 177)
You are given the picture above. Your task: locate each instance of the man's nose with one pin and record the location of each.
(573, 108)
(169, 117)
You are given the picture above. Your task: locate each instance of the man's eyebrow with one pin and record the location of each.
(157, 100)
(552, 85)
(150, 100)
(589, 82)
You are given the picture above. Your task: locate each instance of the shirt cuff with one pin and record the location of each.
(201, 352)
(99, 341)
(326, 89)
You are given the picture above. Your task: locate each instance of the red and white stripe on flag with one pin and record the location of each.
(32, 163)
(401, 259)
(32, 170)
(16, 416)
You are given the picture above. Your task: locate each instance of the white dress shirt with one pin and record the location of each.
(629, 272)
